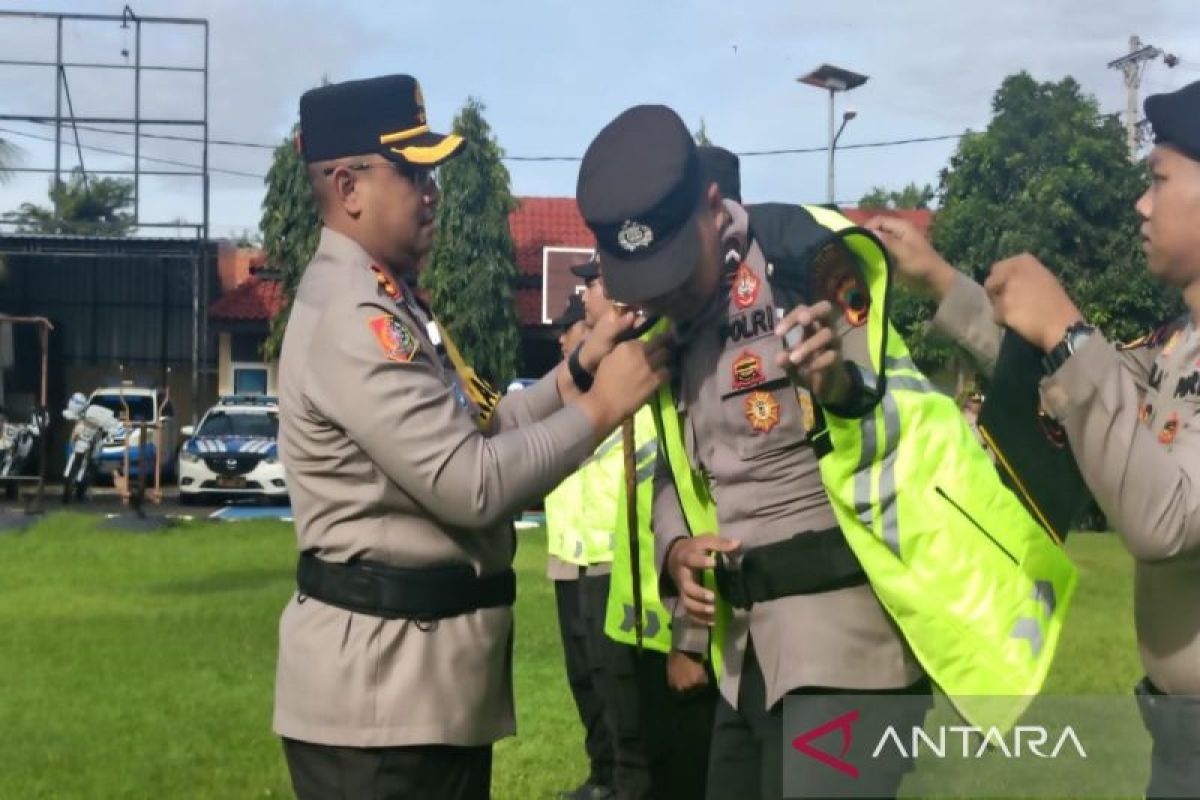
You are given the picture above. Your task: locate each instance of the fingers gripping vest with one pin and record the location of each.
(977, 587)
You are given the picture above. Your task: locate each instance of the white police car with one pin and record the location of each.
(233, 452)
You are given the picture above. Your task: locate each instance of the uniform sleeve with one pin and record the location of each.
(965, 316)
(395, 406)
(1149, 491)
(530, 404)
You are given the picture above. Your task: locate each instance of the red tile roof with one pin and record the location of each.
(254, 299)
(537, 223)
(546, 222)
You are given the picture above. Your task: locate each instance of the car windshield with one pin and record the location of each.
(141, 407)
(225, 423)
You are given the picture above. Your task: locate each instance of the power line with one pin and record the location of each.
(110, 151)
(748, 153)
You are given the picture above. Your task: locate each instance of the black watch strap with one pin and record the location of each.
(1066, 348)
(582, 378)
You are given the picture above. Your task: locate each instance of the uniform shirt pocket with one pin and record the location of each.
(759, 406)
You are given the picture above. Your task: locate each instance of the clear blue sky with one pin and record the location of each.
(552, 73)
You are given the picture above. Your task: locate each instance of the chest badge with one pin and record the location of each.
(747, 370)
(394, 337)
(762, 411)
(1170, 429)
(746, 287)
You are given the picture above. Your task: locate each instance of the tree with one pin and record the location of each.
(9, 155)
(472, 269)
(911, 196)
(1051, 176)
(85, 207)
(701, 135)
(290, 228)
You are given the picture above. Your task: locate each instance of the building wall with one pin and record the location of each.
(226, 363)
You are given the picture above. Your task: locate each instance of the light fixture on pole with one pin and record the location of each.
(833, 79)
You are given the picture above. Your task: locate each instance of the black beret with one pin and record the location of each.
(1175, 117)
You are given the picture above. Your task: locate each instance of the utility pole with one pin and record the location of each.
(1132, 65)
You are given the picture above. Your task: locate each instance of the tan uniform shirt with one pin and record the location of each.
(745, 426)
(1130, 416)
(385, 462)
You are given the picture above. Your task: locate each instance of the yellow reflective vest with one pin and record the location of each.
(977, 587)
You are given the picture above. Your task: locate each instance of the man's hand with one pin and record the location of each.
(920, 267)
(816, 358)
(687, 558)
(625, 380)
(685, 671)
(1027, 298)
(603, 337)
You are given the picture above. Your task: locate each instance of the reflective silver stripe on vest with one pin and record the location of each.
(887, 474)
(889, 514)
(652, 622)
(1029, 629)
(609, 444)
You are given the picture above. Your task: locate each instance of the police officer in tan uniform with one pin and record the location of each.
(395, 658)
(670, 244)
(1130, 414)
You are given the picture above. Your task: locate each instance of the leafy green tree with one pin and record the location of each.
(911, 196)
(701, 135)
(85, 207)
(1051, 176)
(472, 268)
(290, 228)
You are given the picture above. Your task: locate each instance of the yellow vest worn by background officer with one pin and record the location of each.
(977, 587)
(619, 623)
(581, 512)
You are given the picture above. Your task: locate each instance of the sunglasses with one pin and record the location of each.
(420, 177)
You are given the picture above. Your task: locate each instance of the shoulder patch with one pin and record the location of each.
(1163, 334)
(395, 339)
(838, 278)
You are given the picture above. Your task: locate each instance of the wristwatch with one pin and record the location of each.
(1077, 333)
(581, 377)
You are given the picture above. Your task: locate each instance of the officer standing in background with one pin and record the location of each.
(394, 674)
(670, 244)
(1129, 413)
(613, 665)
(565, 565)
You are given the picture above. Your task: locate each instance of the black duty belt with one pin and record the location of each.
(424, 593)
(808, 563)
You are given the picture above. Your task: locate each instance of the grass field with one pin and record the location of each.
(142, 666)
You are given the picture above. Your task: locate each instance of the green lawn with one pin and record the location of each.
(143, 665)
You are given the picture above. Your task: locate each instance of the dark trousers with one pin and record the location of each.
(615, 678)
(747, 756)
(597, 740)
(430, 772)
(1174, 726)
(677, 729)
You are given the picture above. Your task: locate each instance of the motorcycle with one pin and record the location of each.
(17, 442)
(93, 424)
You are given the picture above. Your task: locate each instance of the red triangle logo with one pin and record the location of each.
(845, 724)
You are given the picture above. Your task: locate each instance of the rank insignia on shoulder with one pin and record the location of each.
(394, 337)
(762, 411)
(747, 370)
(1170, 429)
(746, 287)
(386, 284)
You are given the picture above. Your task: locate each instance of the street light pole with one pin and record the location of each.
(834, 80)
(832, 145)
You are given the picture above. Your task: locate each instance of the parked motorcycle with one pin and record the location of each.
(17, 442)
(93, 424)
